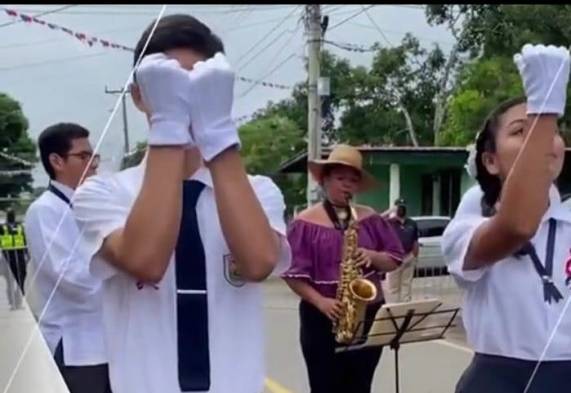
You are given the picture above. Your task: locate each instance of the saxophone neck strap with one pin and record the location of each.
(334, 217)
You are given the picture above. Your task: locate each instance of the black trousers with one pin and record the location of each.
(16, 259)
(83, 379)
(496, 374)
(330, 372)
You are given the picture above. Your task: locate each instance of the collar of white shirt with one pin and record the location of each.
(67, 191)
(557, 209)
(202, 174)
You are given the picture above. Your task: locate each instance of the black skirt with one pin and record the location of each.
(497, 374)
(328, 371)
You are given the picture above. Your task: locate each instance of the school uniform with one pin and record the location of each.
(70, 316)
(514, 310)
(200, 328)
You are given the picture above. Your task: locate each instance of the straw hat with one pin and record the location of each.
(348, 156)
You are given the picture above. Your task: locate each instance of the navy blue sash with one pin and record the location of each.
(550, 291)
(192, 301)
(59, 194)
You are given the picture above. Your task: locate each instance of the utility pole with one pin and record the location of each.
(314, 31)
(125, 124)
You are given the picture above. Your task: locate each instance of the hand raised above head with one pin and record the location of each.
(544, 71)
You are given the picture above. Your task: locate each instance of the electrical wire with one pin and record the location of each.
(259, 42)
(364, 9)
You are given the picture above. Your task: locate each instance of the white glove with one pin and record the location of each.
(211, 95)
(164, 89)
(545, 73)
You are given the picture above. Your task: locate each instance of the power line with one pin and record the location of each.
(266, 36)
(58, 40)
(54, 61)
(40, 14)
(268, 74)
(364, 9)
(99, 11)
(377, 27)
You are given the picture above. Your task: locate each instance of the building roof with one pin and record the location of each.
(298, 163)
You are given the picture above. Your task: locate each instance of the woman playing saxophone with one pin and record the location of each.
(318, 240)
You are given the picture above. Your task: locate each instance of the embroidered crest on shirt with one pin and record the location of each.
(568, 270)
(231, 272)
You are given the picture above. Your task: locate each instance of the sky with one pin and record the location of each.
(56, 77)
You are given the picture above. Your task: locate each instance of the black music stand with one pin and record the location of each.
(419, 324)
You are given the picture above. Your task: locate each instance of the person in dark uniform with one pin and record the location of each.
(14, 251)
(399, 281)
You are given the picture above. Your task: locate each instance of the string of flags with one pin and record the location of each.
(264, 83)
(83, 37)
(351, 47)
(16, 159)
(15, 172)
(92, 40)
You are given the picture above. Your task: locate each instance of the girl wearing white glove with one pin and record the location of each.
(510, 249)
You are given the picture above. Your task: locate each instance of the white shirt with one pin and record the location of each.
(141, 324)
(504, 311)
(74, 312)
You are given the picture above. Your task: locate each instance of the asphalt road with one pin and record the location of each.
(26, 364)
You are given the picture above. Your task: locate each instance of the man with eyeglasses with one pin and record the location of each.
(64, 297)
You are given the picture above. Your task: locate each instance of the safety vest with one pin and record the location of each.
(9, 241)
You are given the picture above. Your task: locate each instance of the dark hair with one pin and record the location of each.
(179, 31)
(486, 142)
(57, 139)
(10, 216)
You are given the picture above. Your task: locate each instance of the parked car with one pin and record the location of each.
(430, 259)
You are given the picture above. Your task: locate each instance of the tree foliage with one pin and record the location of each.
(14, 142)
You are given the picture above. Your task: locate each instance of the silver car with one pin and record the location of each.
(430, 260)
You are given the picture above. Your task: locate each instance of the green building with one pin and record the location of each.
(431, 179)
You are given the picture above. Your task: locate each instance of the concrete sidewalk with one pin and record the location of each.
(36, 371)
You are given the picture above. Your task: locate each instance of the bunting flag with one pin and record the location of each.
(16, 159)
(351, 47)
(91, 40)
(264, 83)
(82, 37)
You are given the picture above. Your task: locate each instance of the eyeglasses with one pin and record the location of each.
(86, 156)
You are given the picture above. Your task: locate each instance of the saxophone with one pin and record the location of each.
(354, 291)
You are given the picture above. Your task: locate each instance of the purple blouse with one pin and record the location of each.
(317, 251)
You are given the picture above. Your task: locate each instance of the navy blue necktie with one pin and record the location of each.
(192, 305)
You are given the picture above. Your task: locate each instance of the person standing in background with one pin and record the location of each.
(63, 296)
(399, 281)
(14, 252)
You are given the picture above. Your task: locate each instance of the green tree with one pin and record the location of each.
(482, 85)
(17, 148)
(502, 29)
(135, 157)
(492, 34)
(266, 143)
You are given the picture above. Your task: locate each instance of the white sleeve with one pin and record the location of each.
(455, 242)
(100, 208)
(56, 253)
(272, 201)
(471, 202)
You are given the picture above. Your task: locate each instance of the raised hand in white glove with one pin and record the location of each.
(545, 73)
(164, 88)
(211, 94)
